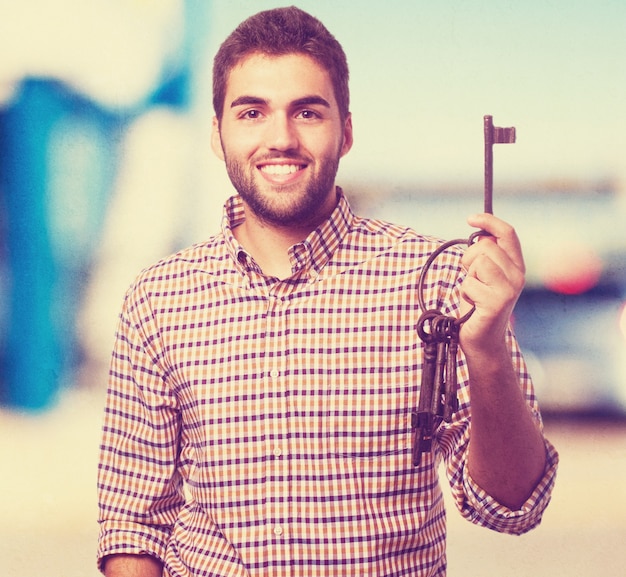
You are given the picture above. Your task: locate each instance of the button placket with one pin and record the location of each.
(277, 426)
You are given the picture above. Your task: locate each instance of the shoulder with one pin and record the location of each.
(199, 264)
(382, 249)
(385, 236)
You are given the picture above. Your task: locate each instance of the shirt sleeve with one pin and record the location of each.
(452, 440)
(472, 501)
(139, 488)
(479, 507)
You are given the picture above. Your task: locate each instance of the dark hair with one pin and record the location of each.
(279, 32)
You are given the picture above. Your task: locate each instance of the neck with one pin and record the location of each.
(269, 243)
(269, 249)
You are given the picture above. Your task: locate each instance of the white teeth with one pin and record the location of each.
(280, 169)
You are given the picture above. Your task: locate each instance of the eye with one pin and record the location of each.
(251, 114)
(309, 115)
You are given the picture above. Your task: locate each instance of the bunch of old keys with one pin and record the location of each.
(440, 333)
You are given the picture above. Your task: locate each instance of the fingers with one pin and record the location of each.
(503, 246)
(488, 287)
(495, 276)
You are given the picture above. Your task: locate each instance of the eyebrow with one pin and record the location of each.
(304, 101)
(246, 100)
(308, 100)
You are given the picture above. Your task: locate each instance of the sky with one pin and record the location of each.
(423, 75)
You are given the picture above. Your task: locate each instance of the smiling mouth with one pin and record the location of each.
(281, 169)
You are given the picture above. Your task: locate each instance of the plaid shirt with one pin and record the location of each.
(262, 427)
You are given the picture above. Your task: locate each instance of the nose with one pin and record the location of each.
(280, 133)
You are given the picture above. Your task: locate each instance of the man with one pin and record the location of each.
(272, 370)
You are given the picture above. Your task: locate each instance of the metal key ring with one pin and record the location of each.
(429, 261)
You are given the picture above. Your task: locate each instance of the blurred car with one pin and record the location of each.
(571, 317)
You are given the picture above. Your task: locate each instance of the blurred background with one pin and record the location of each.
(105, 167)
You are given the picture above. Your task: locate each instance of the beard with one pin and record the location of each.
(286, 205)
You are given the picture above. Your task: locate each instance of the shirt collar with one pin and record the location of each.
(311, 254)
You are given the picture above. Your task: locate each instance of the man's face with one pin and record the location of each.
(281, 137)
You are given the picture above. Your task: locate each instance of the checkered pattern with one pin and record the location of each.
(262, 427)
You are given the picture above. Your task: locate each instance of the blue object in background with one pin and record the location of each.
(59, 154)
(44, 258)
(58, 162)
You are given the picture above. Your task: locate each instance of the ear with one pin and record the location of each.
(348, 137)
(216, 141)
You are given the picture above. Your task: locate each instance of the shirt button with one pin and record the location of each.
(278, 452)
(278, 530)
(274, 373)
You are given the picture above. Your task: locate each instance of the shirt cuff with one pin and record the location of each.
(119, 538)
(486, 511)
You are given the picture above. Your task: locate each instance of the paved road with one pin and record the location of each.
(47, 503)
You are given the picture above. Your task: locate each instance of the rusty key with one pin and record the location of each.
(438, 393)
